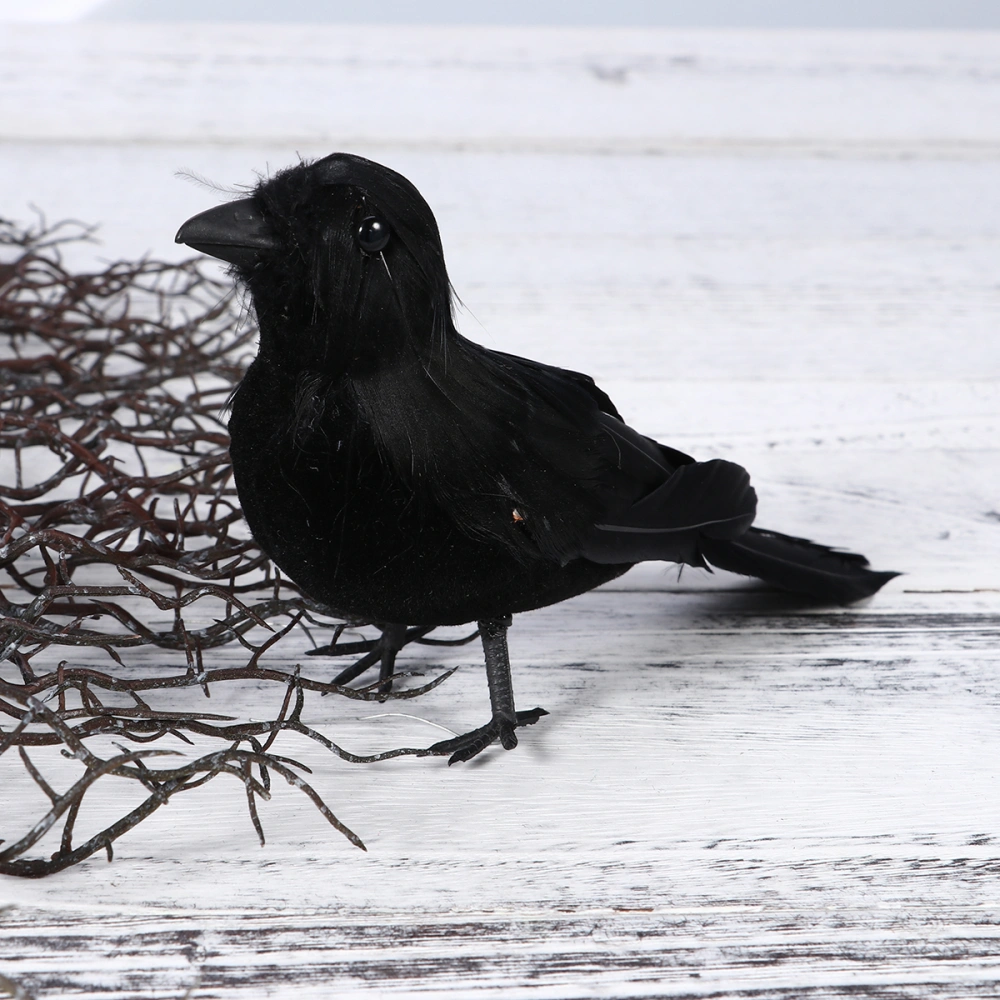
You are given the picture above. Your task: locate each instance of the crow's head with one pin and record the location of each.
(343, 261)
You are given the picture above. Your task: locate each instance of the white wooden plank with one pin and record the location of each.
(767, 773)
(577, 90)
(689, 952)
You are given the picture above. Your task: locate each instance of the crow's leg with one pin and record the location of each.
(505, 719)
(382, 650)
(393, 640)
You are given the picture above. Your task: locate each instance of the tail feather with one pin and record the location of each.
(796, 564)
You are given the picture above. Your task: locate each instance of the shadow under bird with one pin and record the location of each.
(403, 475)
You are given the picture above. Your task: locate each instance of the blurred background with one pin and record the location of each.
(678, 13)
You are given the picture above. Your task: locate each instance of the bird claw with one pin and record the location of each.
(470, 744)
(381, 650)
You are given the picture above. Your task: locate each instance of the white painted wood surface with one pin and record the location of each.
(781, 248)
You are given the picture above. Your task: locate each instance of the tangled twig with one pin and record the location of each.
(120, 527)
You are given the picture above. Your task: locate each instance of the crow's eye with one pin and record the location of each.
(372, 234)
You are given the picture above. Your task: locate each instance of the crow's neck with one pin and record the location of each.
(343, 351)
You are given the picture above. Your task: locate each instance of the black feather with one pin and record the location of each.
(798, 565)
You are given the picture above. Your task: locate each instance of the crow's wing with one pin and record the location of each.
(658, 503)
(608, 493)
(536, 459)
(674, 503)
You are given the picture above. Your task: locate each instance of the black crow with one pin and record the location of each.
(403, 475)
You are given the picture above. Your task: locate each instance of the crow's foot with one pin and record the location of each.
(382, 651)
(467, 746)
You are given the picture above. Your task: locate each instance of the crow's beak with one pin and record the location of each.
(235, 232)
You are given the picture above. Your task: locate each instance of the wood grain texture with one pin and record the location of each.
(776, 248)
